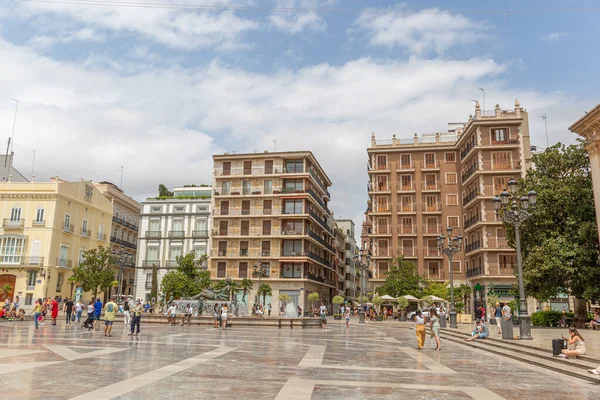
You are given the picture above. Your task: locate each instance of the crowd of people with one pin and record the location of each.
(12, 310)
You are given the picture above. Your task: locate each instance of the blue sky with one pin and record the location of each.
(159, 90)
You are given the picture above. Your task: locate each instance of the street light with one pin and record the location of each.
(515, 210)
(365, 255)
(123, 260)
(450, 247)
(260, 272)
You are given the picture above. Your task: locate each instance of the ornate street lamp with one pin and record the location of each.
(515, 210)
(259, 272)
(123, 259)
(362, 262)
(450, 247)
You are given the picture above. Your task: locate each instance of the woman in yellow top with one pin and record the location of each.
(37, 312)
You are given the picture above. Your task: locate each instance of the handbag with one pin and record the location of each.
(72, 317)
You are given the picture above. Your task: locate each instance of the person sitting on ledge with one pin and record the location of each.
(481, 331)
(576, 339)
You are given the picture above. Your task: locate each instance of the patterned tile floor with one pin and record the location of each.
(378, 361)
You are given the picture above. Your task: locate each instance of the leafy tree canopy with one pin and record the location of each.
(402, 279)
(97, 270)
(188, 279)
(438, 289)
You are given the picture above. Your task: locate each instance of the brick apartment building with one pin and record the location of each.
(420, 186)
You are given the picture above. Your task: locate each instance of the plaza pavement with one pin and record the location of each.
(372, 361)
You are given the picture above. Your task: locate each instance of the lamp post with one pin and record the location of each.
(515, 210)
(365, 255)
(259, 272)
(450, 247)
(122, 260)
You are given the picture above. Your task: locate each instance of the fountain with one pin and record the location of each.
(290, 311)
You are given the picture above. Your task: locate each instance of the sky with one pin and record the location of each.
(158, 86)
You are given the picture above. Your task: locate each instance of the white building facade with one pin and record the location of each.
(171, 227)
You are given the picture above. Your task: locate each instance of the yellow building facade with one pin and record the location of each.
(46, 228)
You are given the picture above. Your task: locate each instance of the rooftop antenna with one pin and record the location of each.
(12, 141)
(7, 149)
(543, 116)
(483, 103)
(275, 144)
(121, 168)
(32, 164)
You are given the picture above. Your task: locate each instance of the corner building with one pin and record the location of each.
(420, 186)
(271, 212)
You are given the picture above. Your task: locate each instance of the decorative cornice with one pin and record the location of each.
(588, 126)
(27, 196)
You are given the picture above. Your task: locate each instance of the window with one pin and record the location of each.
(246, 187)
(225, 207)
(451, 178)
(39, 215)
(292, 227)
(450, 157)
(406, 182)
(221, 269)
(100, 231)
(382, 162)
(456, 267)
(246, 207)
(222, 248)
(451, 199)
(125, 216)
(243, 270)
(247, 167)
(36, 251)
(152, 254)
(31, 279)
(178, 225)
(118, 213)
(453, 222)
(431, 202)
(201, 224)
(174, 252)
(245, 228)
(11, 249)
(383, 247)
(223, 227)
(155, 209)
(148, 280)
(507, 260)
(153, 226)
(59, 281)
(501, 161)
(499, 135)
(294, 166)
(268, 186)
(179, 209)
(293, 206)
(407, 225)
(407, 248)
(244, 248)
(266, 248)
(225, 186)
(268, 166)
(500, 183)
(67, 220)
(81, 256)
(383, 268)
(292, 248)
(84, 226)
(430, 181)
(267, 207)
(292, 185)
(63, 256)
(227, 168)
(266, 227)
(291, 270)
(29, 299)
(199, 250)
(405, 161)
(429, 160)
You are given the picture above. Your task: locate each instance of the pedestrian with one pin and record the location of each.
(270, 307)
(216, 316)
(37, 313)
(110, 311)
(347, 316)
(299, 310)
(54, 309)
(126, 314)
(419, 328)
(595, 371)
(498, 317)
(323, 315)
(137, 316)
(68, 310)
(483, 314)
(576, 339)
(434, 325)
(224, 310)
(97, 312)
(78, 311)
(481, 331)
(187, 315)
(172, 314)
(90, 309)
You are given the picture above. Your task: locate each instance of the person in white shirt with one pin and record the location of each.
(78, 311)
(419, 329)
(323, 315)
(172, 314)
(187, 315)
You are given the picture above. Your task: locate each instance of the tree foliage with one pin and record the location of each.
(313, 298)
(285, 298)
(163, 191)
(245, 286)
(438, 289)
(337, 300)
(560, 241)
(188, 279)
(96, 272)
(265, 290)
(402, 279)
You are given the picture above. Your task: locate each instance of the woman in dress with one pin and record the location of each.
(224, 315)
(419, 329)
(434, 325)
(576, 339)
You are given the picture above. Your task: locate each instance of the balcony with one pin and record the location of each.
(501, 165)
(406, 230)
(36, 222)
(318, 200)
(475, 272)
(506, 270)
(382, 230)
(313, 174)
(381, 252)
(407, 208)
(148, 285)
(405, 187)
(130, 281)
(381, 208)
(68, 228)
(320, 221)
(467, 149)
(471, 221)
(177, 234)
(318, 258)
(497, 243)
(432, 230)
(320, 240)
(405, 166)
(431, 186)
(432, 208)
(153, 234)
(200, 234)
(430, 165)
(64, 263)
(435, 274)
(101, 236)
(473, 246)
(13, 224)
(469, 197)
(86, 234)
(254, 170)
(236, 212)
(150, 263)
(378, 187)
(409, 252)
(171, 263)
(384, 167)
(20, 260)
(292, 232)
(432, 252)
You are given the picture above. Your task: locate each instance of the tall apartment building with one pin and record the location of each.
(420, 186)
(46, 228)
(171, 227)
(350, 279)
(271, 213)
(123, 232)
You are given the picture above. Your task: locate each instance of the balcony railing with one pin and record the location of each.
(466, 174)
(380, 167)
(318, 258)
(437, 207)
(430, 164)
(86, 233)
(13, 224)
(320, 240)
(320, 221)
(252, 211)
(409, 165)
(403, 187)
(382, 252)
(378, 187)
(502, 269)
(101, 236)
(408, 252)
(176, 234)
(406, 230)
(318, 181)
(36, 222)
(20, 260)
(317, 199)
(500, 165)
(64, 262)
(292, 232)
(432, 229)
(472, 246)
(497, 243)
(150, 263)
(153, 234)
(383, 230)
(200, 234)
(431, 252)
(467, 149)
(474, 272)
(171, 263)
(382, 208)
(68, 228)
(469, 197)
(435, 274)
(408, 208)
(431, 186)
(255, 170)
(473, 220)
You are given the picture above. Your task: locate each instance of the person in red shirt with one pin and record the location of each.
(54, 308)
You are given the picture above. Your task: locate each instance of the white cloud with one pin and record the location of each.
(164, 124)
(44, 42)
(177, 28)
(297, 21)
(554, 36)
(426, 30)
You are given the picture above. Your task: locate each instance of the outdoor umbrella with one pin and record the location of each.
(410, 298)
(387, 297)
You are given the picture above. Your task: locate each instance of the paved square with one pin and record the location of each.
(367, 362)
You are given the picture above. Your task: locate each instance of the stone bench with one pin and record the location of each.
(299, 323)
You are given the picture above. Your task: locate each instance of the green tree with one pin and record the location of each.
(154, 288)
(313, 298)
(438, 289)
(402, 304)
(175, 285)
(337, 300)
(6, 290)
(188, 279)
(245, 285)
(284, 298)
(402, 279)
(163, 191)
(96, 272)
(377, 302)
(265, 290)
(189, 265)
(560, 241)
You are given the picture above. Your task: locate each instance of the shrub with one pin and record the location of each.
(547, 318)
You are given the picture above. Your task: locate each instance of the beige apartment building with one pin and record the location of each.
(270, 214)
(420, 186)
(123, 233)
(46, 228)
